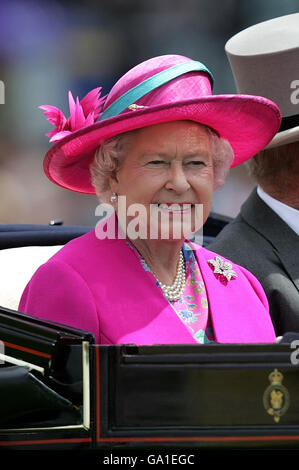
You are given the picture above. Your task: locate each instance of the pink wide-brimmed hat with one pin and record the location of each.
(163, 89)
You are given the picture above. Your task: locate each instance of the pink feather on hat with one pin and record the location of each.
(82, 114)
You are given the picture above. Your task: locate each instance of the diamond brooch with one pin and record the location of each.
(222, 268)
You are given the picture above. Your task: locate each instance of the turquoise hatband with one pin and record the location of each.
(150, 84)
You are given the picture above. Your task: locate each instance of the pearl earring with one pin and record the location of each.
(113, 197)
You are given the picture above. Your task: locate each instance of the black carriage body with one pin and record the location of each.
(69, 393)
(160, 396)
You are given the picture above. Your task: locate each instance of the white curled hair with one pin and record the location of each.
(111, 153)
(107, 161)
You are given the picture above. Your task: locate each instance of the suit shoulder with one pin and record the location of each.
(237, 240)
(238, 227)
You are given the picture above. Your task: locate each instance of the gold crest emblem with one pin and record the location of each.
(276, 397)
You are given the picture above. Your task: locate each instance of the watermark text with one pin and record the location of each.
(2, 92)
(154, 221)
(295, 94)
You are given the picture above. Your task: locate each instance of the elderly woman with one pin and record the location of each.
(162, 144)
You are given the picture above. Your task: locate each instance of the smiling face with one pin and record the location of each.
(166, 164)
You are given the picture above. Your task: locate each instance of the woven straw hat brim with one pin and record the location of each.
(248, 122)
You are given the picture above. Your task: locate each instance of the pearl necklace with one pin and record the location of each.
(174, 291)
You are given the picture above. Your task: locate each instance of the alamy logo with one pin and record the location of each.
(295, 94)
(295, 354)
(165, 221)
(2, 92)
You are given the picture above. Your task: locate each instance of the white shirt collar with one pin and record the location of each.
(288, 214)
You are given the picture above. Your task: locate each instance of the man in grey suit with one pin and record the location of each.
(264, 237)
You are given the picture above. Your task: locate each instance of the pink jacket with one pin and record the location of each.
(100, 286)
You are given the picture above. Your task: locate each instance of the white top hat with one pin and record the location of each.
(265, 61)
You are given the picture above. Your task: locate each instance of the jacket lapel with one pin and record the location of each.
(139, 320)
(232, 305)
(145, 320)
